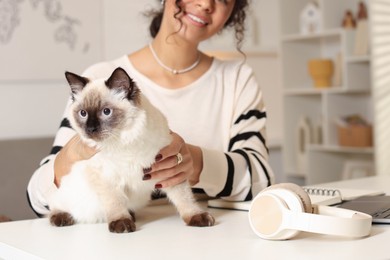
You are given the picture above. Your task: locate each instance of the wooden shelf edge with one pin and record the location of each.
(313, 36)
(341, 149)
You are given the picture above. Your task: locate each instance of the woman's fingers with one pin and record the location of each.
(74, 151)
(175, 180)
(172, 149)
(173, 164)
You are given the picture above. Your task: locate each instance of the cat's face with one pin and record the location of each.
(101, 109)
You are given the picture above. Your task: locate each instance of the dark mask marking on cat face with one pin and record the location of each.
(121, 81)
(98, 125)
(93, 126)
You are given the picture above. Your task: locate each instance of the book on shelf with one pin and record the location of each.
(318, 195)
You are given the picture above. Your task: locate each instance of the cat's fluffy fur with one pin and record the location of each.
(114, 116)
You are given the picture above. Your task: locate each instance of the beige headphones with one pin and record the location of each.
(282, 210)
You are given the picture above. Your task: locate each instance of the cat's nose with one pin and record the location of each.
(92, 129)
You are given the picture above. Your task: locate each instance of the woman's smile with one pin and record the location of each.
(196, 20)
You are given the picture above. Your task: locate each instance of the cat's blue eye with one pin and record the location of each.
(83, 113)
(107, 111)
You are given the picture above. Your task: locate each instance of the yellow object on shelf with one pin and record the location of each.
(321, 70)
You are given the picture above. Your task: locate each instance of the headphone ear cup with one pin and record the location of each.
(266, 212)
(266, 215)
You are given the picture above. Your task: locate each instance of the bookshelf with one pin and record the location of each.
(324, 159)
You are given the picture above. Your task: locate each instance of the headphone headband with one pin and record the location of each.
(330, 221)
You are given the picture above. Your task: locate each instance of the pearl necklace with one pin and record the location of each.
(173, 71)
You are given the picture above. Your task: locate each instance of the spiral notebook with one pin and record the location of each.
(318, 195)
(330, 196)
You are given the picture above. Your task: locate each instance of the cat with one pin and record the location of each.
(114, 116)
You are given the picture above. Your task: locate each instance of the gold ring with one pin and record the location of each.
(179, 158)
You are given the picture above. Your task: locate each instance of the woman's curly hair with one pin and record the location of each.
(236, 20)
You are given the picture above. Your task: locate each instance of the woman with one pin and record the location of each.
(214, 108)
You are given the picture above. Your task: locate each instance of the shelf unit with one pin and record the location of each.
(324, 160)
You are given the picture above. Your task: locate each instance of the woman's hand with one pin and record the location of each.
(168, 168)
(75, 150)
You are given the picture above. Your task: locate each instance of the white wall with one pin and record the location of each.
(31, 109)
(34, 109)
(380, 71)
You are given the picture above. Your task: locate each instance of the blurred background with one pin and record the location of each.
(319, 129)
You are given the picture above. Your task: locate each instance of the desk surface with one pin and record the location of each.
(162, 235)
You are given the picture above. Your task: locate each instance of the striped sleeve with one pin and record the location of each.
(243, 170)
(41, 185)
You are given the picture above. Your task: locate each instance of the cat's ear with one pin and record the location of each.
(121, 81)
(76, 82)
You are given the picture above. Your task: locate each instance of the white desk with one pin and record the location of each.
(162, 235)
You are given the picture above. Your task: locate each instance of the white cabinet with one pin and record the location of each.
(325, 159)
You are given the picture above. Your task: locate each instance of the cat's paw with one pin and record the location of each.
(204, 219)
(123, 225)
(61, 219)
(132, 214)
